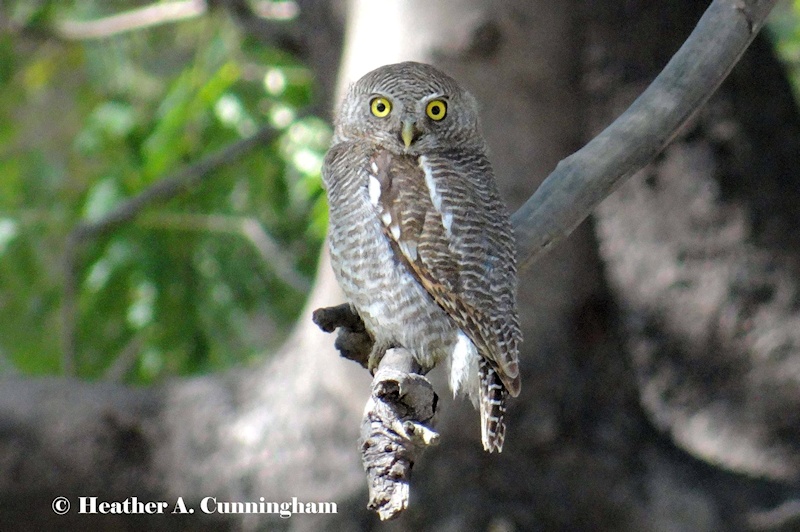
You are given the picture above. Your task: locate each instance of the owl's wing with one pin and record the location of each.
(456, 241)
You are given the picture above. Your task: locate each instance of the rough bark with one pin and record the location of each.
(580, 453)
(702, 249)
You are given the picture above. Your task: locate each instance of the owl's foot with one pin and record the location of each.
(353, 341)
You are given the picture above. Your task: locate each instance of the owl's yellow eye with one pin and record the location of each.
(436, 109)
(380, 106)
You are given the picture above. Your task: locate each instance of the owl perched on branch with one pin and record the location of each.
(420, 242)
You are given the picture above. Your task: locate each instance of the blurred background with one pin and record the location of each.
(101, 100)
(95, 113)
(162, 220)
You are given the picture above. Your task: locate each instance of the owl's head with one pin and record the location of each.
(409, 108)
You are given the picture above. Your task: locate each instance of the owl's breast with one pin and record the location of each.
(396, 309)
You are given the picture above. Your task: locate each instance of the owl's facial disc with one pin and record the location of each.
(409, 132)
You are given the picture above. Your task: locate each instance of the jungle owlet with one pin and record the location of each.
(420, 241)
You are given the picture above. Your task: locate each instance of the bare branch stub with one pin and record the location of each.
(398, 417)
(353, 341)
(395, 430)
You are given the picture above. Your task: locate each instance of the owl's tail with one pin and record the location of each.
(493, 407)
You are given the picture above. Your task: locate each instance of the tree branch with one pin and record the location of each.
(246, 227)
(395, 428)
(581, 181)
(353, 341)
(171, 186)
(162, 191)
(135, 19)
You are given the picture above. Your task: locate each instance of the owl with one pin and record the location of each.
(420, 241)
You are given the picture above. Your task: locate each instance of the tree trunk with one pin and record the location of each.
(702, 248)
(580, 453)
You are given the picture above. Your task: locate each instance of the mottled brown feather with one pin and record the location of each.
(405, 197)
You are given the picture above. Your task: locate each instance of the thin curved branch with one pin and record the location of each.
(171, 186)
(132, 20)
(182, 181)
(246, 227)
(581, 181)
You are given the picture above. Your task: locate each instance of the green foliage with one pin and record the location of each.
(784, 28)
(208, 279)
(213, 277)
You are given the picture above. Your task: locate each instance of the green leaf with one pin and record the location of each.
(102, 199)
(8, 231)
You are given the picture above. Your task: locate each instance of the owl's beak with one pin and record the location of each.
(409, 133)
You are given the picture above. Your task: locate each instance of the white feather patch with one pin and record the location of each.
(464, 367)
(409, 249)
(447, 222)
(436, 197)
(374, 190)
(395, 229)
(386, 218)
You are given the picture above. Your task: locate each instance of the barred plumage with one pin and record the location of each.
(493, 407)
(420, 241)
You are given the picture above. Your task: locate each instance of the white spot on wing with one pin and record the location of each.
(447, 222)
(395, 229)
(436, 197)
(386, 218)
(374, 190)
(374, 167)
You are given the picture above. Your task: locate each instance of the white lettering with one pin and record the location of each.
(180, 507)
(88, 505)
(131, 505)
(204, 505)
(211, 505)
